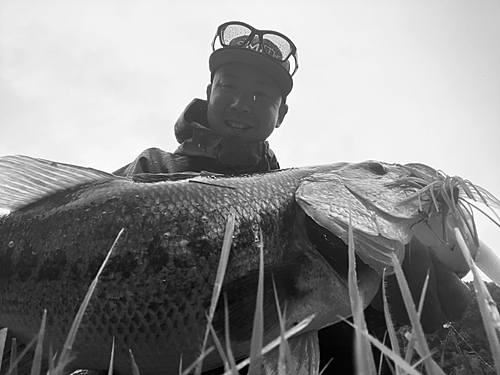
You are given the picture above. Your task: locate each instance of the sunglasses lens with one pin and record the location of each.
(235, 35)
(270, 43)
(277, 47)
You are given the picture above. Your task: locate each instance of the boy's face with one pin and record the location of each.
(244, 103)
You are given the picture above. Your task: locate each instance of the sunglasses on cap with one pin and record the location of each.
(275, 45)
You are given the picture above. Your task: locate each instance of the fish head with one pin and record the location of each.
(377, 206)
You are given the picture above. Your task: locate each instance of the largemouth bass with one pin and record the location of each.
(155, 290)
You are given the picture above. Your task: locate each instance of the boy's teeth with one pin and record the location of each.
(238, 125)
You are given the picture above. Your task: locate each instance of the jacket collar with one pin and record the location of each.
(196, 139)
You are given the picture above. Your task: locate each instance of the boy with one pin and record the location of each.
(251, 77)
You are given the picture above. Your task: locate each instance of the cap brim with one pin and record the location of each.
(240, 55)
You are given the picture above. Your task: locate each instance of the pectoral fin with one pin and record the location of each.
(304, 350)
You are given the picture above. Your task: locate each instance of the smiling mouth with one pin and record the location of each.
(237, 125)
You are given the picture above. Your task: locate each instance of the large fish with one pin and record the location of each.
(155, 290)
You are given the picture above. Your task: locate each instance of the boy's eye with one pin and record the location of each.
(263, 96)
(226, 86)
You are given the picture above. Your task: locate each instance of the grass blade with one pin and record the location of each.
(135, 368)
(112, 357)
(410, 347)
(224, 258)
(52, 367)
(422, 296)
(410, 370)
(219, 278)
(13, 358)
(487, 307)
(258, 321)
(230, 356)
(37, 359)
(363, 355)
(285, 355)
(488, 262)
(3, 338)
(390, 325)
(273, 344)
(197, 362)
(412, 338)
(64, 358)
(417, 331)
(218, 345)
(326, 366)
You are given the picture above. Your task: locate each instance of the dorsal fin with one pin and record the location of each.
(24, 180)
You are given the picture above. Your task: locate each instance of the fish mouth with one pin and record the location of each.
(238, 126)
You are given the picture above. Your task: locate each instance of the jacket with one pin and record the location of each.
(201, 149)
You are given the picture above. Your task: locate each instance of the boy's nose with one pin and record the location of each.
(242, 102)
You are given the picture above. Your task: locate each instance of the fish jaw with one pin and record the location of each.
(326, 292)
(330, 305)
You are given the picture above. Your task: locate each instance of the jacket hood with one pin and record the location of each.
(197, 140)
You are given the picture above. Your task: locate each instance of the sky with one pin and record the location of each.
(94, 83)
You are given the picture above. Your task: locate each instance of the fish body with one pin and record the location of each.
(155, 291)
(153, 294)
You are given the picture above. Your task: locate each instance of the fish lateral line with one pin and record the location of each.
(163, 177)
(212, 184)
